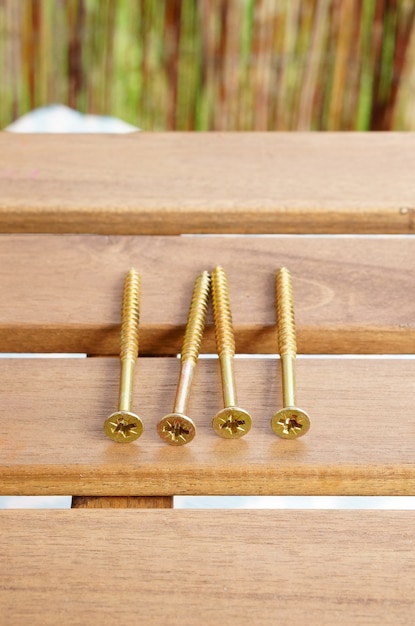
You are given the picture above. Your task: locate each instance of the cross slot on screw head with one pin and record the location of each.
(123, 426)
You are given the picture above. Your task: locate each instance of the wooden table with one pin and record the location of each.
(76, 212)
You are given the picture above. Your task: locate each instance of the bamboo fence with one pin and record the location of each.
(213, 64)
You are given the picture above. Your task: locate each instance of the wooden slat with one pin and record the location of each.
(63, 293)
(361, 441)
(217, 183)
(211, 567)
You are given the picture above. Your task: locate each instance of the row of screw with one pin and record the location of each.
(231, 422)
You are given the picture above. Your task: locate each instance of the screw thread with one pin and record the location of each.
(225, 341)
(130, 316)
(196, 318)
(285, 313)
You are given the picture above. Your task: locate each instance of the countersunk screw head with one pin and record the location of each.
(232, 422)
(290, 422)
(123, 427)
(176, 429)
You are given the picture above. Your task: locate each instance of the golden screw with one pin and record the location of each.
(124, 426)
(289, 422)
(176, 428)
(231, 422)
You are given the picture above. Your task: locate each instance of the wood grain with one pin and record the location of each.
(122, 502)
(161, 183)
(361, 441)
(210, 567)
(63, 293)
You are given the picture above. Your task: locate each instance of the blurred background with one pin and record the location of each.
(213, 64)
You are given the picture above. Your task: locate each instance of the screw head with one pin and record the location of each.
(176, 429)
(290, 422)
(232, 422)
(123, 427)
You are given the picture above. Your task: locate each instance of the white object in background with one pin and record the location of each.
(58, 118)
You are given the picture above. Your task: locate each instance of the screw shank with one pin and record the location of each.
(126, 385)
(288, 379)
(228, 380)
(187, 369)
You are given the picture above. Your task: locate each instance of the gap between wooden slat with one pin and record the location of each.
(122, 502)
